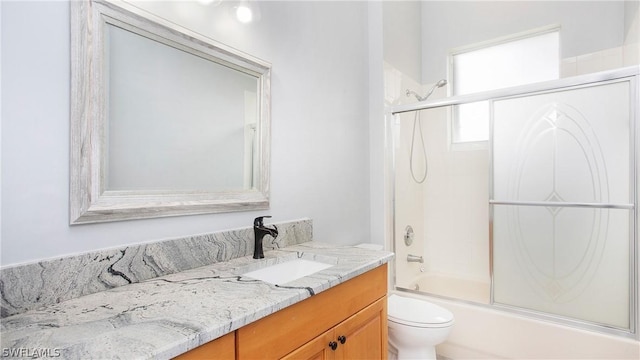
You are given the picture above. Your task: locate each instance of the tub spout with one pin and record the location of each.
(415, 258)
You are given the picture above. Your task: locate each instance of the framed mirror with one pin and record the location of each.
(164, 121)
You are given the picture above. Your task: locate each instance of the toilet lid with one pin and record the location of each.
(415, 312)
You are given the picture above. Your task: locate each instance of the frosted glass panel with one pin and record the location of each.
(568, 146)
(516, 62)
(563, 203)
(572, 262)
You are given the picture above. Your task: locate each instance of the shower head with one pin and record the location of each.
(439, 84)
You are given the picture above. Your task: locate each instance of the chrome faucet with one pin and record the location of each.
(259, 231)
(415, 258)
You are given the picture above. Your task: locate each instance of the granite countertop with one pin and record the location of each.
(169, 315)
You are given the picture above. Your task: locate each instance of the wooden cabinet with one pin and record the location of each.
(362, 336)
(355, 309)
(223, 348)
(348, 321)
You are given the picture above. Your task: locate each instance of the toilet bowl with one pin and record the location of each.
(416, 326)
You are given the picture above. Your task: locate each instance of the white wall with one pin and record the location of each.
(587, 26)
(631, 18)
(402, 36)
(379, 198)
(320, 147)
(1, 129)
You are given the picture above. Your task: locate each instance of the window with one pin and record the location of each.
(518, 59)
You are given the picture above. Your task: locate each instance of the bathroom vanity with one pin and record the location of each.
(354, 313)
(335, 313)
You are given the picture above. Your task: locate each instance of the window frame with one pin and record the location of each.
(483, 144)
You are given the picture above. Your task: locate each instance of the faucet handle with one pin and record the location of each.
(258, 221)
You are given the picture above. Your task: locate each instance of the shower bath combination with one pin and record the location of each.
(416, 120)
(508, 231)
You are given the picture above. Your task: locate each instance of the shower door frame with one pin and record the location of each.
(631, 74)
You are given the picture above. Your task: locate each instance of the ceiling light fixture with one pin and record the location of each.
(209, 2)
(244, 12)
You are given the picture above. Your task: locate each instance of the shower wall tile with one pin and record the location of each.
(409, 193)
(590, 63)
(631, 54)
(29, 286)
(608, 59)
(612, 58)
(568, 67)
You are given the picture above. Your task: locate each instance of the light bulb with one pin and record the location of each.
(208, 2)
(244, 13)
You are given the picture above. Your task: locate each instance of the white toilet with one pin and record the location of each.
(416, 326)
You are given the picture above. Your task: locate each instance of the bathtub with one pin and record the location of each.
(453, 287)
(483, 332)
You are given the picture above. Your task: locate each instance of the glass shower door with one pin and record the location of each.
(562, 203)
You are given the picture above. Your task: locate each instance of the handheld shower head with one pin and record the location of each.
(439, 84)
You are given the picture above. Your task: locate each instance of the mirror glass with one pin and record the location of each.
(176, 121)
(164, 121)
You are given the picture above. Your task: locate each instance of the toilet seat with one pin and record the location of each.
(417, 313)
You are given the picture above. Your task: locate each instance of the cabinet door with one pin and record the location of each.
(223, 348)
(316, 349)
(364, 334)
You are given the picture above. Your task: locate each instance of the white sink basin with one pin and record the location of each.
(285, 272)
